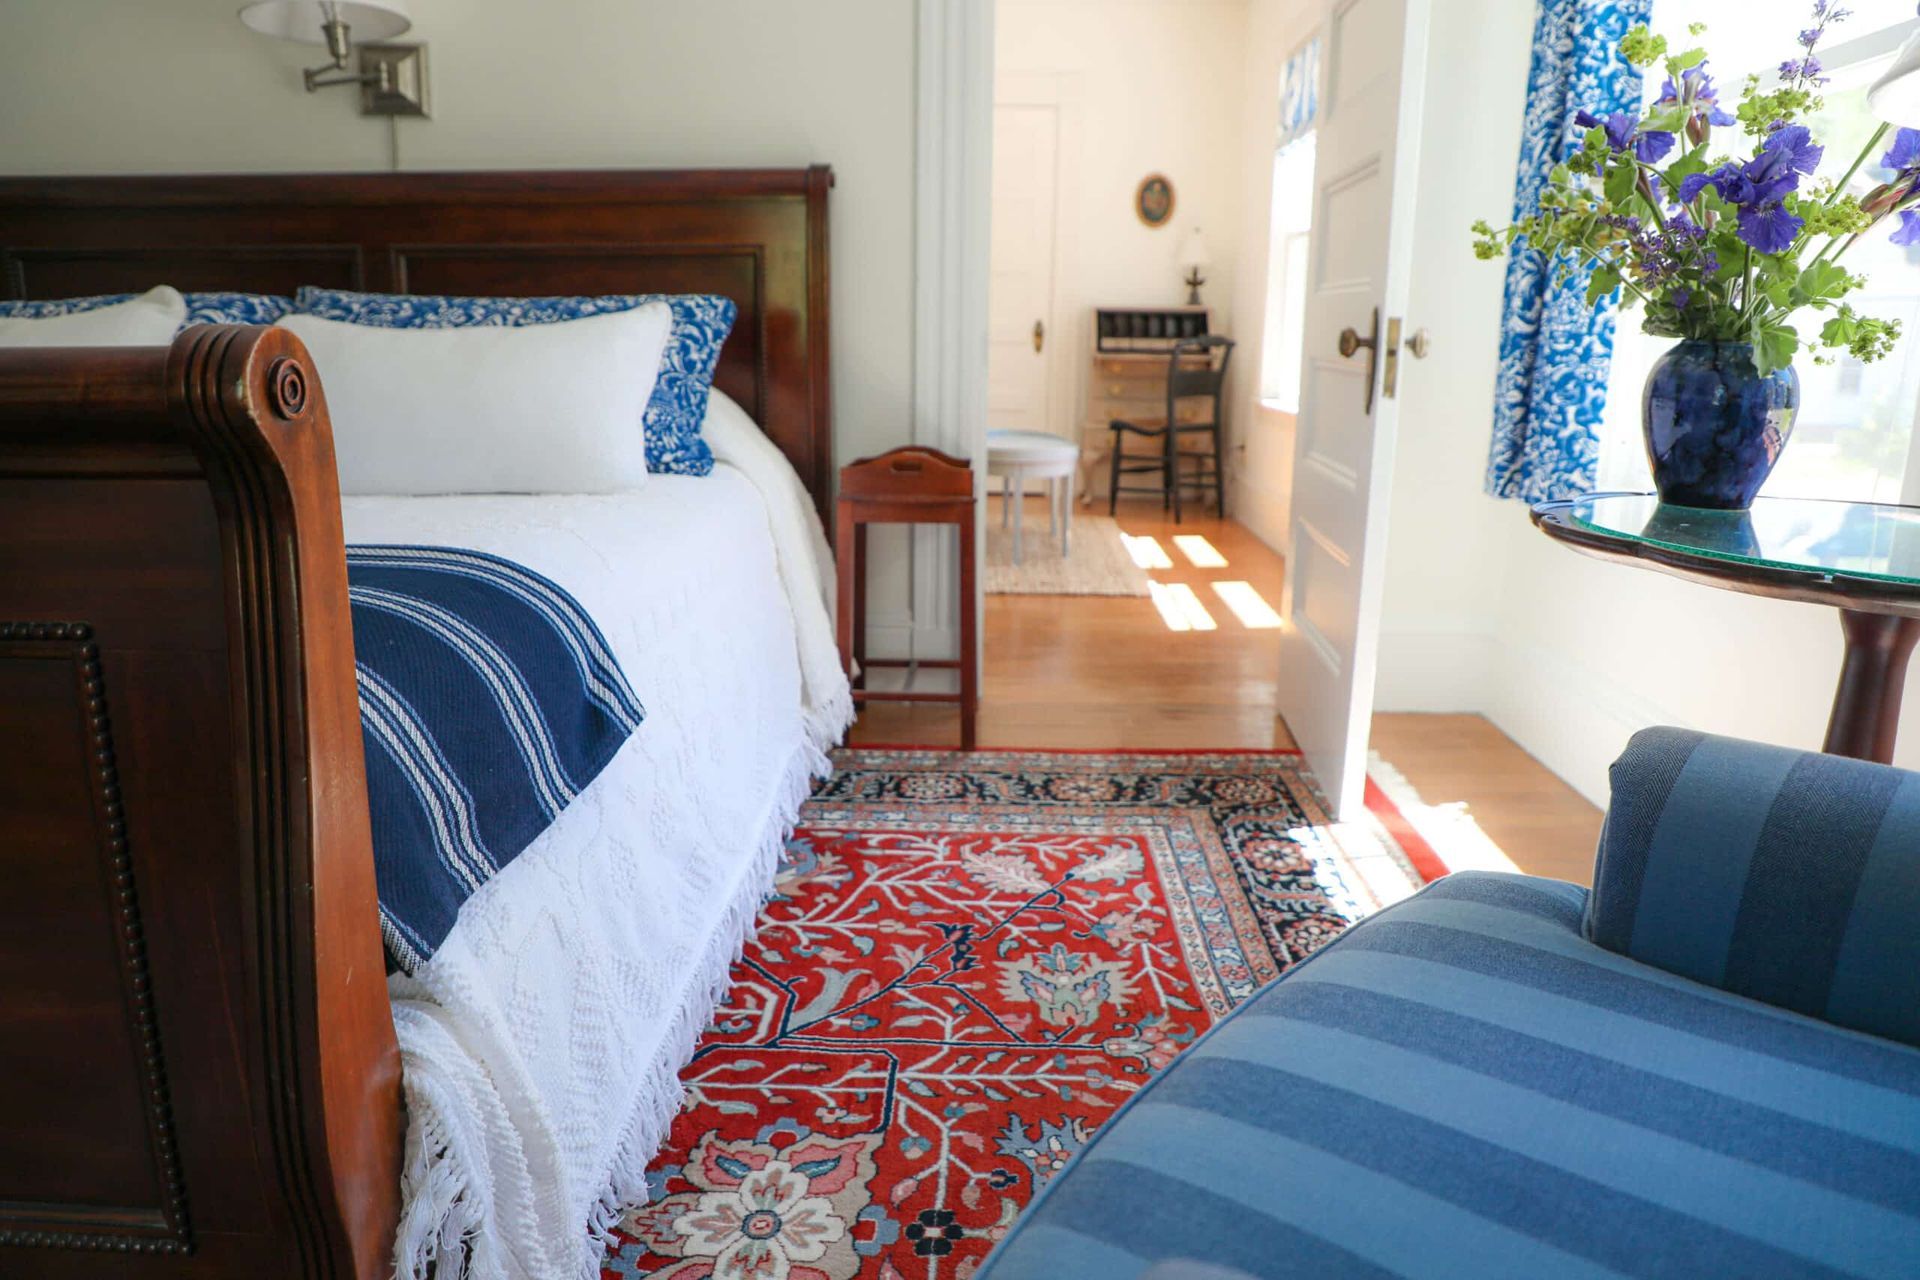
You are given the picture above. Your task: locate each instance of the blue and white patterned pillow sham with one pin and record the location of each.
(202, 308)
(701, 323)
(236, 308)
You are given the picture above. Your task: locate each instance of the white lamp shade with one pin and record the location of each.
(1194, 254)
(1895, 96)
(303, 20)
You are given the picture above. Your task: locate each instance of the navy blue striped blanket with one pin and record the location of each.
(488, 700)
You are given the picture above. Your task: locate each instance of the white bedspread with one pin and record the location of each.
(542, 1042)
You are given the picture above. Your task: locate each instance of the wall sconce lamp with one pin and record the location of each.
(392, 77)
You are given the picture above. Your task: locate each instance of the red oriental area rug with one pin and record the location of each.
(969, 963)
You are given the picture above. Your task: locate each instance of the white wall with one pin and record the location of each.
(1445, 554)
(1158, 90)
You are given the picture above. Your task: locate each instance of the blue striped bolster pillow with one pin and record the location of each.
(1785, 876)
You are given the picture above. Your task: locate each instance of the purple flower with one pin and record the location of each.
(1807, 69)
(1788, 152)
(1730, 181)
(1796, 142)
(1682, 296)
(1619, 127)
(1908, 232)
(1811, 36)
(1904, 154)
(1769, 228)
(1623, 131)
(1700, 92)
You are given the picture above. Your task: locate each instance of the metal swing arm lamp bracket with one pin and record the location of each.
(392, 77)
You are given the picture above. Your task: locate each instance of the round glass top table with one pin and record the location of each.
(1863, 558)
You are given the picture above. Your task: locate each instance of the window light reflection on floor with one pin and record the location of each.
(1147, 551)
(1200, 553)
(1180, 608)
(1248, 605)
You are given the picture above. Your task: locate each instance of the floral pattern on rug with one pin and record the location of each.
(969, 963)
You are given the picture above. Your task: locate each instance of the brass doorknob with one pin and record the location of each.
(1351, 342)
(1419, 344)
(1039, 334)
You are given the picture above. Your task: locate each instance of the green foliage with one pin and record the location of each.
(1641, 47)
(1830, 215)
(1865, 338)
(1758, 111)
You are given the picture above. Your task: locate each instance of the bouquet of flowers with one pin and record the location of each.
(1717, 247)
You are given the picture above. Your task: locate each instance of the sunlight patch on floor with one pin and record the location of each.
(1147, 551)
(1248, 605)
(1448, 827)
(1358, 864)
(1180, 608)
(1200, 553)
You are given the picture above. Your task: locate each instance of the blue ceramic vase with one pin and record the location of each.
(1715, 425)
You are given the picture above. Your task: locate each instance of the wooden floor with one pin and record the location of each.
(1105, 672)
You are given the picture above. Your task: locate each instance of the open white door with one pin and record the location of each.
(1367, 162)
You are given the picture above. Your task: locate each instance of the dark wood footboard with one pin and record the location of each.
(198, 1074)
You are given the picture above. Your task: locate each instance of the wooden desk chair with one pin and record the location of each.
(910, 485)
(1187, 379)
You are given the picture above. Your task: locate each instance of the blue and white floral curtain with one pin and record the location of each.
(1299, 93)
(1555, 351)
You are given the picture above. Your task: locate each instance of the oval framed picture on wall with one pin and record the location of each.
(1154, 200)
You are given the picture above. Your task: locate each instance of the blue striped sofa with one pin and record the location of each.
(1704, 1068)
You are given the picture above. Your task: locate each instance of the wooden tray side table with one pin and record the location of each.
(910, 485)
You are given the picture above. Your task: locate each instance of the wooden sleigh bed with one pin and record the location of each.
(198, 1071)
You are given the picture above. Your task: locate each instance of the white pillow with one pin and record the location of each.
(551, 408)
(149, 320)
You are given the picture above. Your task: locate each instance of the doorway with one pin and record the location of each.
(1094, 104)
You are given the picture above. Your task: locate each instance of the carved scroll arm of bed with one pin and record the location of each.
(198, 1071)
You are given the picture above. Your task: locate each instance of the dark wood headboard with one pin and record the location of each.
(757, 236)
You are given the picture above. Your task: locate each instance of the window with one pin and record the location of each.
(1291, 231)
(1856, 426)
(1283, 343)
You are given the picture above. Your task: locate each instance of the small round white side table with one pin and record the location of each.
(1016, 457)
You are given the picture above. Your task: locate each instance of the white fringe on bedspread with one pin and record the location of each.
(474, 1186)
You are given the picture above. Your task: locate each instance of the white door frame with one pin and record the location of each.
(1063, 92)
(953, 187)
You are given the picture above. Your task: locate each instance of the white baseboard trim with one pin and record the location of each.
(1258, 507)
(898, 637)
(1570, 718)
